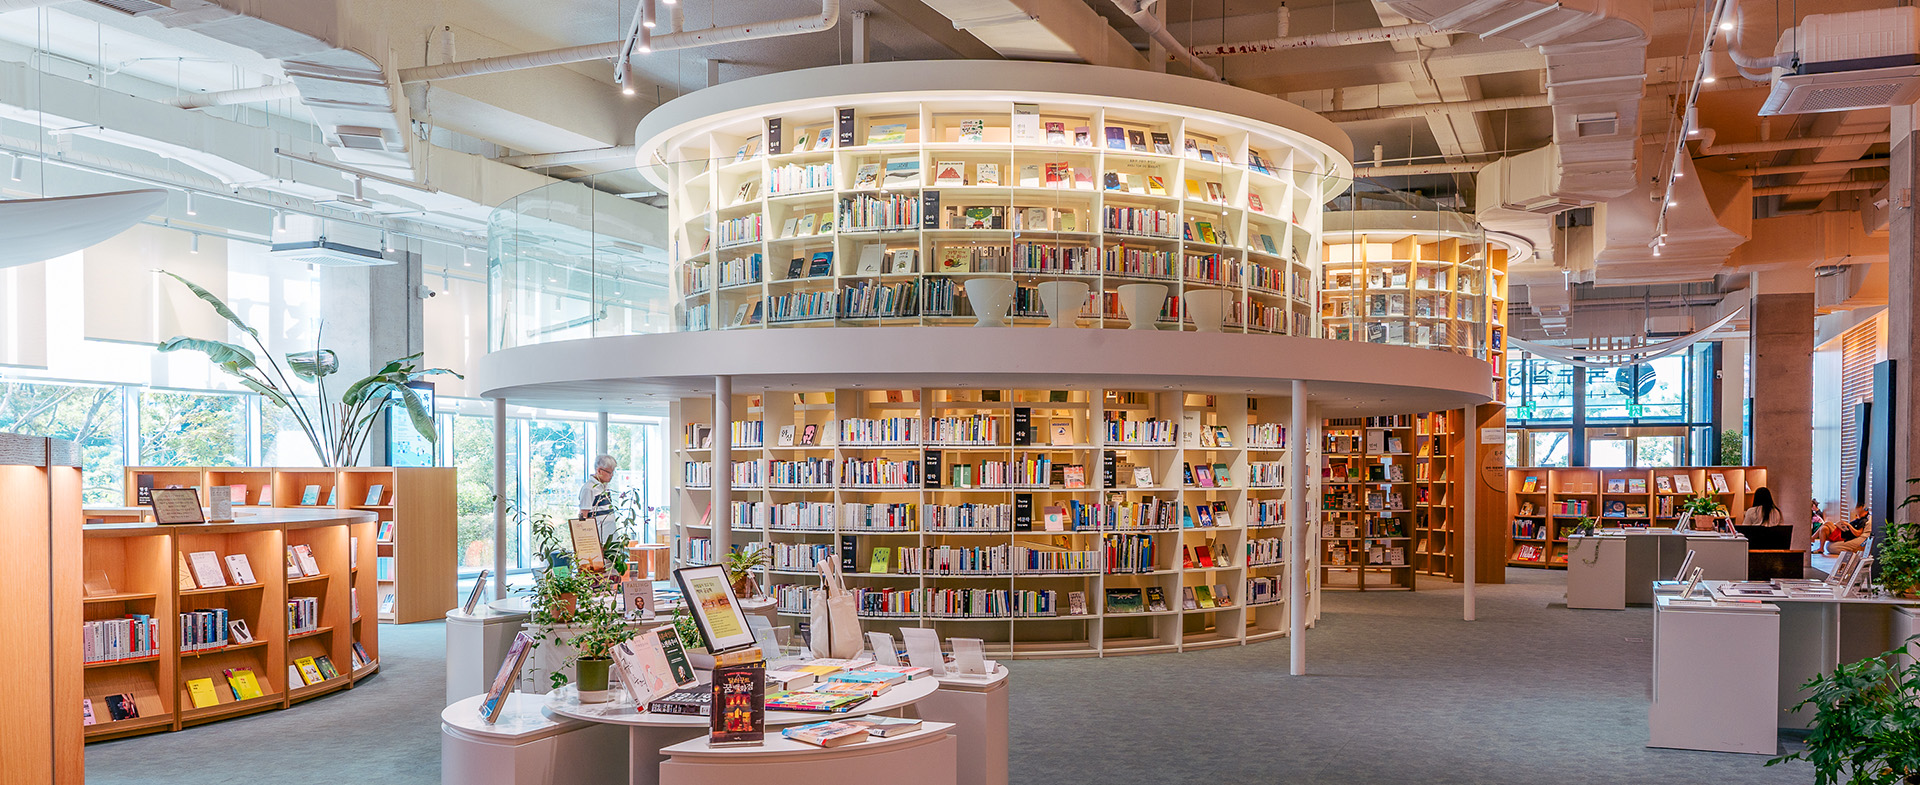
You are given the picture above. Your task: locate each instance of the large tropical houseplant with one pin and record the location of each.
(337, 426)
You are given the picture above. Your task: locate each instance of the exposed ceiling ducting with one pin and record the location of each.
(1061, 30)
(348, 92)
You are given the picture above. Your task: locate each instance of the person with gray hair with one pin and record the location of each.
(596, 496)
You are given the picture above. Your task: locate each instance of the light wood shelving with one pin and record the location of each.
(408, 579)
(1367, 509)
(1107, 458)
(40, 654)
(1548, 502)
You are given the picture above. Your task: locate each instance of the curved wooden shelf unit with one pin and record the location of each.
(140, 565)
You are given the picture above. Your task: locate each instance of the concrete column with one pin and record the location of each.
(499, 498)
(722, 455)
(372, 316)
(1782, 336)
(1903, 330)
(1297, 489)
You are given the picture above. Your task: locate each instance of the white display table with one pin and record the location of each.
(648, 733)
(977, 708)
(1614, 568)
(1711, 665)
(476, 644)
(526, 747)
(1817, 635)
(924, 757)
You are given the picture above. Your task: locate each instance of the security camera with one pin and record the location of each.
(426, 293)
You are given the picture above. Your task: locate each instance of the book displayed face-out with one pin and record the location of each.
(714, 607)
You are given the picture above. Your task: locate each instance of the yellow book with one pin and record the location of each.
(201, 691)
(245, 686)
(879, 565)
(1193, 189)
(309, 670)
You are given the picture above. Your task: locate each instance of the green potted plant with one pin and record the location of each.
(740, 565)
(1897, 553)
(1702, 506)
(601, 627)
(1866, 724)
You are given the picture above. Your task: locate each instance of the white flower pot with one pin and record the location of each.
(1206, 307)
(1142, 302)
(1063, 301)
(990, 298)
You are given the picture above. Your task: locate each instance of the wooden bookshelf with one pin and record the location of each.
(1420, 287)
(139, 565)
(1437, 473)
(1367, 503)
(419, 564)
(842, 532)
(1545, 511)
(40, 533)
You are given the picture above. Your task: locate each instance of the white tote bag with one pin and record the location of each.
(835, 625)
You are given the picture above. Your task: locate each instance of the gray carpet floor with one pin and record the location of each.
(1400, 691)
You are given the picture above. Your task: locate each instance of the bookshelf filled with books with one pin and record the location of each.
(1437, 486)
(852, 214)
(407, 550)
(188, 625)
(1547, 503)
(1068, 522)
(1365, 532)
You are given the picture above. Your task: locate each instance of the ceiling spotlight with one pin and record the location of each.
(646, 40)
(626, 77)
(646, 15)
(1656, 251)
(1708, 79)
(193, 244)
(191, 210)
(1726, 25)
(1673, 203)
(19, 168)
(1693, 132)
(280, 222)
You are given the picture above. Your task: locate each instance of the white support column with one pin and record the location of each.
(1297, 530)
(713, 72)
(1470, 487)
(862, 42)
(499, 498)
(722, 456)
(601, 442)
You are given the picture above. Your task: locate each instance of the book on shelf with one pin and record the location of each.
(1637, 485)
(1124, 601)
(1718, 482)
(867, 176)
(1203, 596)
(310, 496)
(888, 133)
(693, 701)
(949, 173)
(1616, 485)
(902, 171)
(878, 565)
(183, 575)
(973, 131)
(122, 707)
(201, 693)
(882, 727)
(986, 174)
(243, 683)
(333, 495)
(1614, 508)
(239, 569)
(375, 493)
(361, 658)
(1082, 136)
(747, 149)
(1077, 603)
(207, 570)
(817, 702)
(303, 555)
(325, 664)
(1662, 484)
(1156, 599)
(1682, 483)
(1531, 484)
(309, 670)
(86, 711)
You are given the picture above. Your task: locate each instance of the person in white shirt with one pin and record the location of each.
(596, 496)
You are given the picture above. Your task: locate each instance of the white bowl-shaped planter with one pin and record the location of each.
(990, 297)
(1142, 303)
(1205, 307)
(1063, 301)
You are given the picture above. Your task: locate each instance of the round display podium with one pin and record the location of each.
(1019, 356)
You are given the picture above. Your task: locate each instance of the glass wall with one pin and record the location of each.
(1658, 413)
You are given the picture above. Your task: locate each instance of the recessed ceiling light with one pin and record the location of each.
(1726, 25)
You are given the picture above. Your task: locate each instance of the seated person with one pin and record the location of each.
(1843, 536)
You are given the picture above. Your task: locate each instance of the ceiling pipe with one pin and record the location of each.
(1142, 15)
(828, 16)
(1815, 189)
(246, 95)
(1370, 35)
(533, 160)
(1707, 147)
(1417, 169)
(1815, 168)
(1443, 107)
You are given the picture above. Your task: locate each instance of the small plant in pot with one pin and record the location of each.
(1866, 723)
(600, 626)
(1702, 506)
(740, 565)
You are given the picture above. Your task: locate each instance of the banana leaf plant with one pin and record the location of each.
(338, 427)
